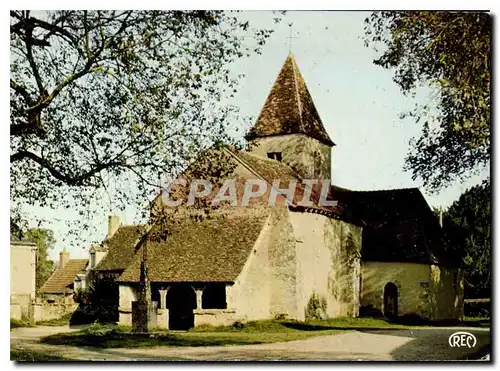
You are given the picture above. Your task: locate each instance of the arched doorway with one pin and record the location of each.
(180, 302)
(390, 300)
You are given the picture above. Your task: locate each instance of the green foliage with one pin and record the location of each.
(98, 303)
(478, 309)
(34, 356)
(316, 307)
(451, 52)
(467, 227)
(238, 325)
(44, 239)
(280, 316)
(101, 100)
(353, 322)
(14, 323)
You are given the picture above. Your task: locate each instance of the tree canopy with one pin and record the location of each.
(451, 52)
(100, 99)
(467, 227)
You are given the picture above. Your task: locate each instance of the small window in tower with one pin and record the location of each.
(274, 155)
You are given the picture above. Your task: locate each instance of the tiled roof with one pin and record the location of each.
(399, 225)
(120, 248)
(271, 170)
(59, 281)
(14, 242)
(289, 108)
(212, 250)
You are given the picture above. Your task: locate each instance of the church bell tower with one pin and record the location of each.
(289, 128)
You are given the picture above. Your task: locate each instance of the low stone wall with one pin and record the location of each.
(16, 311)
(216, 317)
(125, 317)
(20, 305)
(49, 311)
(162, 318)
(213, 317)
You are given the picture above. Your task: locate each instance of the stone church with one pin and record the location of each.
(372, 253)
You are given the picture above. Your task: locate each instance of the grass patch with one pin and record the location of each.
(253, 332)
(474, 319)
(354, 323)
(62, 321)
(258, 332)
(14, 323)
(272, 326)
(33, 356)
(485, 300)
(250, 327)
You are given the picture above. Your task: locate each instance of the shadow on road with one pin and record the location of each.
(432, 344)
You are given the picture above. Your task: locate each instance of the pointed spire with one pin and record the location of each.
(289, 108)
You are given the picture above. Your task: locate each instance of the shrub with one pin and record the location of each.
(82, 316)
(98, 303)
(238, 325)
(316, 307)
(410, 319)
(370, 311)
(280, 316)
(15, 323)
(477, 308)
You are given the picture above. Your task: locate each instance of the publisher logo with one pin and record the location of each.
(462, 339)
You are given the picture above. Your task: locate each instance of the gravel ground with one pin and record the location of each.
(373, 345)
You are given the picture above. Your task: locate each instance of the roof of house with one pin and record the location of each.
(120, 248)
(59, 281)
(270, 170)
(289, 108)
(22, 243)
(212, 250)
(399, 225)
(98, 247)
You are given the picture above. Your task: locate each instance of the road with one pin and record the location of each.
(429, 343)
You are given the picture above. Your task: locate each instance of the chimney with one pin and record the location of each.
(113, 225)
(63, 258)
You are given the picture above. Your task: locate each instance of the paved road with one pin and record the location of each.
(380, 345)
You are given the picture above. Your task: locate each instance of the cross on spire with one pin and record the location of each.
(290, 37)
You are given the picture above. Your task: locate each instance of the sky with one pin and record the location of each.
(357, 101)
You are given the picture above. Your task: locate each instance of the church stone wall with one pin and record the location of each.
(266, 287)
(250, 295)
(411, 279)
(446, 292)
(283, 265)
(308, 156)
(327, 263)
(425, 290)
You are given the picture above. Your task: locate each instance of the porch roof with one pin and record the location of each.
(212, 250)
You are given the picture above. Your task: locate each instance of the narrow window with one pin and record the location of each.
(274, 155)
